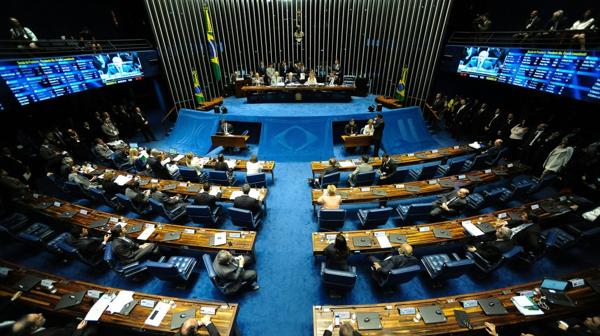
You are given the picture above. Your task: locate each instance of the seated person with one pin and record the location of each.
(109, 186)
(134, 155)
(77, 178)
(364, 167)
(526, 233)
(221, 165)
(127, 250)
(155, 164)
(492, 250)
(387, 169)
(257, 79)
(205, 198)
(276, 79)
(35, 324)
(381, 268)
(190, 327)
(66, 168)
(351, 128)
(253, 166)
(312, 80)
(333, 167)
(232, 271)
(170, 202)
(102, 150)
(346, 329)
(226, 128)
(137, 197)
(246, 202)
(450, 204)
(329, 199)
(195, 163)
(585, 23)
(369, 129)
(90, 248)
(290, 79)
(336, 254)
(494, 152)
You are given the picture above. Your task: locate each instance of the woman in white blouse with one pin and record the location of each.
(253, 166)
(516, 137)
(368, 129)
(193, 162)
(581, 25)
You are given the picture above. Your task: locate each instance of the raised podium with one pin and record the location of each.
(230, 141)
(353, 141)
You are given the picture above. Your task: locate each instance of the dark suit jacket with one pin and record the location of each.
(389, 167)
(248, 203)
(158, 169)
(350, 129)
(89, 247)
(111, 188)
(457, 203)
(335, 261)
(140, 120)
(212, 330)
(204, 198)
(221, 166)
(378, 129)
(396, 261)
(230, 274)
(505, 127)
(124, 249)
(492, 250)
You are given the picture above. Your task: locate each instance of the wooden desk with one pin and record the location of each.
(388, 102)
(230, 141)
(240, 165)
(297, 88)
(426, 238)
(209, 105)
(440, 154)
(298, 93)
(241, 242)
(395, 324)
(384, 193)
(353, 141)
(40, 298)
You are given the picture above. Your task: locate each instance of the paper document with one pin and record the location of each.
(220, 238)
(346, 164)
(254, 193)
(158, 314)
(383, 241)
(472, 229)
(117, 304)
(475, 145)
(165, 161)
(214, 190)
(236, 194)
(231, 163)
(146, 233)
(122, 180)
(177, 158)
(526, 306)
(98, 308)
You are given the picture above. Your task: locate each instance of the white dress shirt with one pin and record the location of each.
(253, 167)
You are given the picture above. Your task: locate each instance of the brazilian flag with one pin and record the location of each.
(198, 94)
(400, 94)
(214, 60)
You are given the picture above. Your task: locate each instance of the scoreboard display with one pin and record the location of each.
(37, 79)
(574, 74)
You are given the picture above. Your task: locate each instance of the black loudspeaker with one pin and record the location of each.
(379, 107)
(217, 109)
(362, 87)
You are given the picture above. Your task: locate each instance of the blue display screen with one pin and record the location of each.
(37, 79)
(574, 74)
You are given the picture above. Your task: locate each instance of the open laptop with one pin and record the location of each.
(554, 291)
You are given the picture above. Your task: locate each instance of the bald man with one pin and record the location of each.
(190, 327)
(450, 204)
(381, 268)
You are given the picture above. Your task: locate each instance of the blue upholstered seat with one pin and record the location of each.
(374, 217)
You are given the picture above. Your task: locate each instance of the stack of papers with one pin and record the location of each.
(158, 314)
(214, 190)
(165, 161)
(383, 240)
(177, 158)
(146, 233)
(526, 306)
(254, 193)
(117, 304)
(236, 194)
(98, 308)
(475, 145)
(231, 163)
(122, 180)
(346, 164)
(472, 229)
(220, 238)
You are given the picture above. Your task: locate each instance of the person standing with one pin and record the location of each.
(142, 123)
(378, 133)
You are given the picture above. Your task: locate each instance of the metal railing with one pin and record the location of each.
(23, 49)
(531, 39)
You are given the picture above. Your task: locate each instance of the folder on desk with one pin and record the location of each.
(193, 188)
(362, 241)
(133, 228)
(169, 186)
(412, 188)
(379, 192)
(492, 306)
(442, 233)
(485, 227)
(397, 238)
(171, 236)
(69, 300)
(432, 314)
(27, 283)
(446, 183)
(43, 205)
(67, 214)
(474, 178)
(128, 307)
(98, 223)
(179, 318)
(368, 321)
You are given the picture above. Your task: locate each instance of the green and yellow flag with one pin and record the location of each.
(214, 60)
(401, 88)
(198, 94)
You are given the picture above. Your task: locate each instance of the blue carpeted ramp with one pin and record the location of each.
(191, 132)
(405, 131)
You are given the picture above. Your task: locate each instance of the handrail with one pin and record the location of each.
(47, 47)
(533, 39)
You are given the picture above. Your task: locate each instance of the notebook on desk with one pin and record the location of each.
(133, 228)
(474, 178)
(98, 223)
(69, 300)
(171, 236)
(485, 227)
(397, 238)
(193, 188)
(432, 314)
(179, 318)
(368, 321)
(169, 186)
(27, 283)
(492, 306)
(68, 214)
(412, 188)
(363, 241)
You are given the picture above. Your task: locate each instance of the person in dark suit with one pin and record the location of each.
(190, 327)
(127, 250)
(226, 128)
(35, 324)
(158, 169)
(333, 167)
(533, 141)
(495, 153)
(246, 202)
(492, 250)
(493, 125)
(336, 254)
(221, 165)
(142, 123)
(232, 271)
(387, 169)
(346, 329)
(506, 125)
(381, 268)
(451, 203)
(350, 128)
(378, 133)
(205, 198)
(109, 186)
(90, 248)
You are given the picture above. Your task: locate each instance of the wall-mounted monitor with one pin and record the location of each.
(574, 74)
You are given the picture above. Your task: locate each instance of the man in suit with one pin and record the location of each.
(138, 198)
(533, 141)
(451, 203)
(492, 250)
(493, 125)
(506, 126)
(387, 169)
(364, 167)
(246, 202)
(127, 250)
(142, 123)
(378, 133)
(205, 198)
(190, 327)
(102, 150)
(495, 152)
(231, 271)
(221, 165)
(35, 324)
(158, 169)
(381, 268)
(333, 167)
(346, 329)
(460, 118)
(170, 202)
(351, 128)
(226, 127)
(110, 130)
(109, 186)
(90, 248)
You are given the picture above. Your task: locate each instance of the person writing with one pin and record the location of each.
(351, 128)
(368, 129)
(330, 200)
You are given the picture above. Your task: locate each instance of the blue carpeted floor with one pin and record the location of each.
(289, 274)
